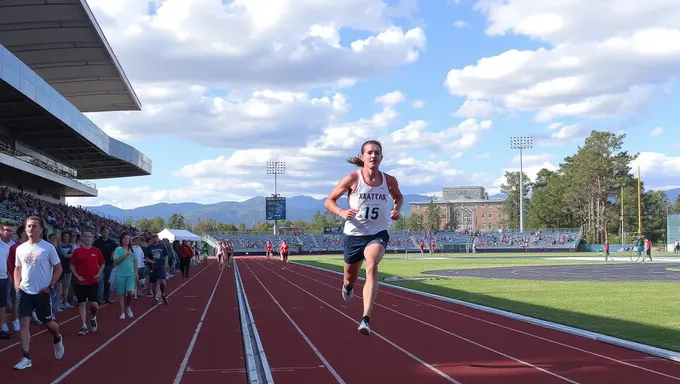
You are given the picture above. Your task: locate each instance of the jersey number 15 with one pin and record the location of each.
(374, 211)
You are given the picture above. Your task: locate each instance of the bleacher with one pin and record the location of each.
(316, 243)
(528, 241)
(16, 206)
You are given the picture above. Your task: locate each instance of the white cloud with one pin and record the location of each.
(576, 20)
(257, 43)
(532, 159)
(477, 108)
(418, 104)
(391, 99)
(656, 169)
(574, 77)
(656, 131)
(235, 120)
(461, 24)
(415, 136)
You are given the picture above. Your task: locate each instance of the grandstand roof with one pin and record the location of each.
(61, 41)
(36, 115)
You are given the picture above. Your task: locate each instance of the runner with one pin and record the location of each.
(229, 250)
(268, 248)
(157, 256)
(87, 263)
(366, 222)
(220, 253)
(283, 251)
(36, 272)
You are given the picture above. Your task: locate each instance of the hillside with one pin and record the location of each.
(250, 211)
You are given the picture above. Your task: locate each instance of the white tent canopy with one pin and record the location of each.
(178, 234)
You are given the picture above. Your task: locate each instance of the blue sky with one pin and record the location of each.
(226, 88)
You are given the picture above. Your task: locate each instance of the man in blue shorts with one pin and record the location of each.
(156, 256)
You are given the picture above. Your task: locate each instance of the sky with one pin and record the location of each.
(443, 84)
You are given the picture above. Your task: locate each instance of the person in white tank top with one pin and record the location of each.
(367, 220)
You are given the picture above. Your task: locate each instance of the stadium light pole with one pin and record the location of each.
(521, 143)
(276, 168)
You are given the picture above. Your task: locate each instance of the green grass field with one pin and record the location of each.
(642, 312)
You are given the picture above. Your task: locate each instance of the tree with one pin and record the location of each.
(595, 175)
(546, 208)
(322, 220)
(675, 208)
(511, 204)
(654, 215)
(154, 225)
(415, 222)
(432, 217)
(206, 226)
(177, 221)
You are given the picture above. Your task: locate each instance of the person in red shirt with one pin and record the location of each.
(268, 249)
(87, 264)
(433, 246)
(185, 255)
(283, 251)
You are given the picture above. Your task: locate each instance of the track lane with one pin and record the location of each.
(291, 357)
(45, 367)
(466, 360)
(148, 347)
(579, 358)
(217, 355)
(335, 335)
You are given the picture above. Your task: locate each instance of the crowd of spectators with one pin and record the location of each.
(62, 217)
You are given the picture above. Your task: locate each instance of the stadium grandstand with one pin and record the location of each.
(56, 65)
(564, 240)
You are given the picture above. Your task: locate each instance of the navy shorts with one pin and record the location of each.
(4, 292)
(40, 303)
(354, 245)
(156, 275)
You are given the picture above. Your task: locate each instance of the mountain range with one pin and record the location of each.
(251, 211)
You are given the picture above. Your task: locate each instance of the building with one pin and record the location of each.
(55, 65)
(464, 208)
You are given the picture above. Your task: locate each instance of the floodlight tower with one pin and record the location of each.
(521, 143)
(276, 168)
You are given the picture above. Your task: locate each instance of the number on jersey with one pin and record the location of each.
(371, 213)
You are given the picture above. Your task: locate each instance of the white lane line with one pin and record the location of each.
(187, 355)
(117, 335)
(407, 353)
(309, 342)
(528, 364)
(325, 273)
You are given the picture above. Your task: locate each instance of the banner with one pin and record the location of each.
(275, 208)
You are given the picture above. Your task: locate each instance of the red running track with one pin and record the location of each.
(159, 344)
(309, 335)
(420, 339)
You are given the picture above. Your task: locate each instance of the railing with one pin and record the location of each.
(6, 149)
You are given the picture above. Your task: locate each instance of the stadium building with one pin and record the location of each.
(464, 208)
(55, 65)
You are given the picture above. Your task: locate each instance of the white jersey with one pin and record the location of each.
(373, 214)
(37, 262)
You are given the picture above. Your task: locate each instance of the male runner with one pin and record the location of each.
(157, 257)
(87, 264)
(36, 272)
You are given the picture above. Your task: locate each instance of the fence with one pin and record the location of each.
(673, 229)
